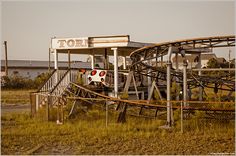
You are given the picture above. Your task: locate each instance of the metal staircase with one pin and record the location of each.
(53, 88)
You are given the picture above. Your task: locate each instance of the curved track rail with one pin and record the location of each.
(141, 57)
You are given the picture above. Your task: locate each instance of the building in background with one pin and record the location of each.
(193, 60)
(31, 69)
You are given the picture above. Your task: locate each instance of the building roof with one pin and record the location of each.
(221, 60)
(194, 57)
(44, 64)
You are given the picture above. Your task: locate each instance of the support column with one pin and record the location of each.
(106, 62)
(176, 79)
(69, 65)
(169, 107)
(200, 73)
(161, 60)
(185, 89)
(92, 61)
(124, 62)
(56, 65)
(115, 71)
(49, 60)
(149, 78)
(176, 61)
(6, 60)
(55, 59)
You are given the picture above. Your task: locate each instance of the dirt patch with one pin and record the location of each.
(15, 108)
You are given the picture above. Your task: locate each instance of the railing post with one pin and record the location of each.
(47, 107)
(37, 102)
(32, 104)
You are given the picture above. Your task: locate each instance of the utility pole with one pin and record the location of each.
(229, 61)
(49, 60)
(6, 61)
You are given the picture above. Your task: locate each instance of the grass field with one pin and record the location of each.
(89, 135)
(15, 96)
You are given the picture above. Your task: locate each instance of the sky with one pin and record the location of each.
(28, 26)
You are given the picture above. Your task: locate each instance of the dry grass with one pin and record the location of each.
(15, 96)
(89, 135)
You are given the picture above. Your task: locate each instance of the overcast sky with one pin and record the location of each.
(29, 25)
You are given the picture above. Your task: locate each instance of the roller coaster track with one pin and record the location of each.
(78, 93)
(140, 60)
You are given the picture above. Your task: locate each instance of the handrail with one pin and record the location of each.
(46, 80)
(54, 88)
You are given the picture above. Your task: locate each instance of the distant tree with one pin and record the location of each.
(41, 79)
(212, 63)
(227, 65)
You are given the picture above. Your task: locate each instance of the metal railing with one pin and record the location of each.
(52, 81)
(54, 86)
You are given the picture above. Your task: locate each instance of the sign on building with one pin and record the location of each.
(70, 43)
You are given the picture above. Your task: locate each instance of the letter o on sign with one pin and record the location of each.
(71, 43)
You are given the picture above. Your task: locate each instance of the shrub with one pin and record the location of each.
(40, 79)
(124, 95)
(16, 82)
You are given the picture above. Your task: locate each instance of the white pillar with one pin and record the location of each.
(168, 88)
(56, 66)
(168, 94)
(55, 59)
(124, 62)
(115, 71)
(176, 79)
(92, 61)
(185, 90)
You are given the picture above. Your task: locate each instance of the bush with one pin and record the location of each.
(18, 82)
(40, 79)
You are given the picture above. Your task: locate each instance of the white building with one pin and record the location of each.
(193, 60)
(31, 69)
